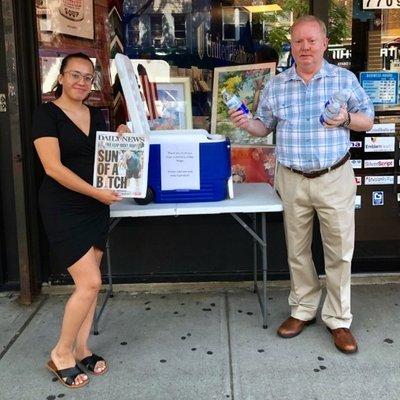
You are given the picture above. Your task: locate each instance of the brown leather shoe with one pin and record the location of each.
(344, 340)
(292, 327)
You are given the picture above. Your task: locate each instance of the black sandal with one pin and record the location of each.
(67, 376)
(90, 363)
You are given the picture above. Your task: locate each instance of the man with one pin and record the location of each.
(314, 176)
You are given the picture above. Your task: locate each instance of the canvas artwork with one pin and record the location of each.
(247, 82)
(253, 164)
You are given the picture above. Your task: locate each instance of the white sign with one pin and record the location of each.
(379, 180)
(389, 163)
(356, 164)
(180, 166)
(358, 180)
(382, 128)
(379, 144)
(358, 201)
(357, 144)
(380, 4)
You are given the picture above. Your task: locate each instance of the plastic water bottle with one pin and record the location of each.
(233, 102)
(332, 106)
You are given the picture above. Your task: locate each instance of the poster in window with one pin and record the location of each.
(69, 17)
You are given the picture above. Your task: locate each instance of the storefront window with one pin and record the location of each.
(180, 29)
(156, 30)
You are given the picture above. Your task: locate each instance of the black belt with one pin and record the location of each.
(316, 174)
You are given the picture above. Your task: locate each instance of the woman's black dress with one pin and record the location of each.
(73, 222)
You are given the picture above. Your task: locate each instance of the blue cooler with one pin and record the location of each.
(215, 166)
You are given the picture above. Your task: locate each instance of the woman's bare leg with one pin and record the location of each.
(86, 275)
(81, 345)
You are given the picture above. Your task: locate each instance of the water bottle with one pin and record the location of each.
(332, 106)
(233, 102)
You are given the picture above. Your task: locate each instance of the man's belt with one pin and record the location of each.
(316, 174)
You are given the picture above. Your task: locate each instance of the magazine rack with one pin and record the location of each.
(214, 150)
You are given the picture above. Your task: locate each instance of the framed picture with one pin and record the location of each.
(247, 82)
(173, 104)
(252, 164)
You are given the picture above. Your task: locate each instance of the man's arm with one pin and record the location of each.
(251, 125)
(359, 122)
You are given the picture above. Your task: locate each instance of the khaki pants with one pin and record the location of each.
(332, 197)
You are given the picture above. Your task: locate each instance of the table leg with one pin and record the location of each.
(255, 254)
(264, 267)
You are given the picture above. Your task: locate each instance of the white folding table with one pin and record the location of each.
(250, 198)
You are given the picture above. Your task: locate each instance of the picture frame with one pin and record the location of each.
(247, 82)
(174, 104)
(251, 164)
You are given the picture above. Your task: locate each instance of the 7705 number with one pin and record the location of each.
(382, 3)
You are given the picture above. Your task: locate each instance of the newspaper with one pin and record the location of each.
(121, 163)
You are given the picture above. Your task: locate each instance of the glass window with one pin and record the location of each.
(133, 32)
(156, 29)
(234, 21)
(180, 29)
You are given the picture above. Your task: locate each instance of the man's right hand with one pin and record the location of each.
(239, 119)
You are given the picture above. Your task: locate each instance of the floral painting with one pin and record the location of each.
(246, 82)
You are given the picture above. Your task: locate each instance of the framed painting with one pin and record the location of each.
(247, 82)
(173, 104)
(252, 164)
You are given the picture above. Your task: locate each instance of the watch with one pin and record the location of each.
(347, 122)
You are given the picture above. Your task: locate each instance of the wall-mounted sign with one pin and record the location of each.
(356, 144)
(358, 180)
(379, 180)
(381, 87)
(356, 164)
(379, 163)
(380, 4)
(379, 144)
(377, 198)
(382, 128)
(358, 201)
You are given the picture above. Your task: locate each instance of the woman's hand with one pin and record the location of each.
(122, 129)
(107, 196)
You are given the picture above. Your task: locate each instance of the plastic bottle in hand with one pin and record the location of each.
(233, 102)
(332, 106)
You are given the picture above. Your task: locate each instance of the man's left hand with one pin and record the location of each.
(338, 120)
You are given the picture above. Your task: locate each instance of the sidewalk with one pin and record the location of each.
(206, 346)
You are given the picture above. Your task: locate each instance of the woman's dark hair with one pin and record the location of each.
(58, 87)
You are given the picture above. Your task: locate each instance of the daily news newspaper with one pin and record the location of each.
(121, 163)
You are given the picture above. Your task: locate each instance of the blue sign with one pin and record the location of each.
(381, 87)
(377, 198)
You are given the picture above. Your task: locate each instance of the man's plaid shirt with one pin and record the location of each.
(293, 108)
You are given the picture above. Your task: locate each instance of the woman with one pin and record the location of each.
(75, 214)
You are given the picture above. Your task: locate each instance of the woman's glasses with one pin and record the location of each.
(76, 76)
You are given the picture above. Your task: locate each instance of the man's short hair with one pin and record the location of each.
(309, 18)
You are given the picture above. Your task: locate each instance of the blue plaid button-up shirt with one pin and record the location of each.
(293, 108)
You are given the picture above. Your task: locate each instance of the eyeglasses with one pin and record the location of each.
(76, 76)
